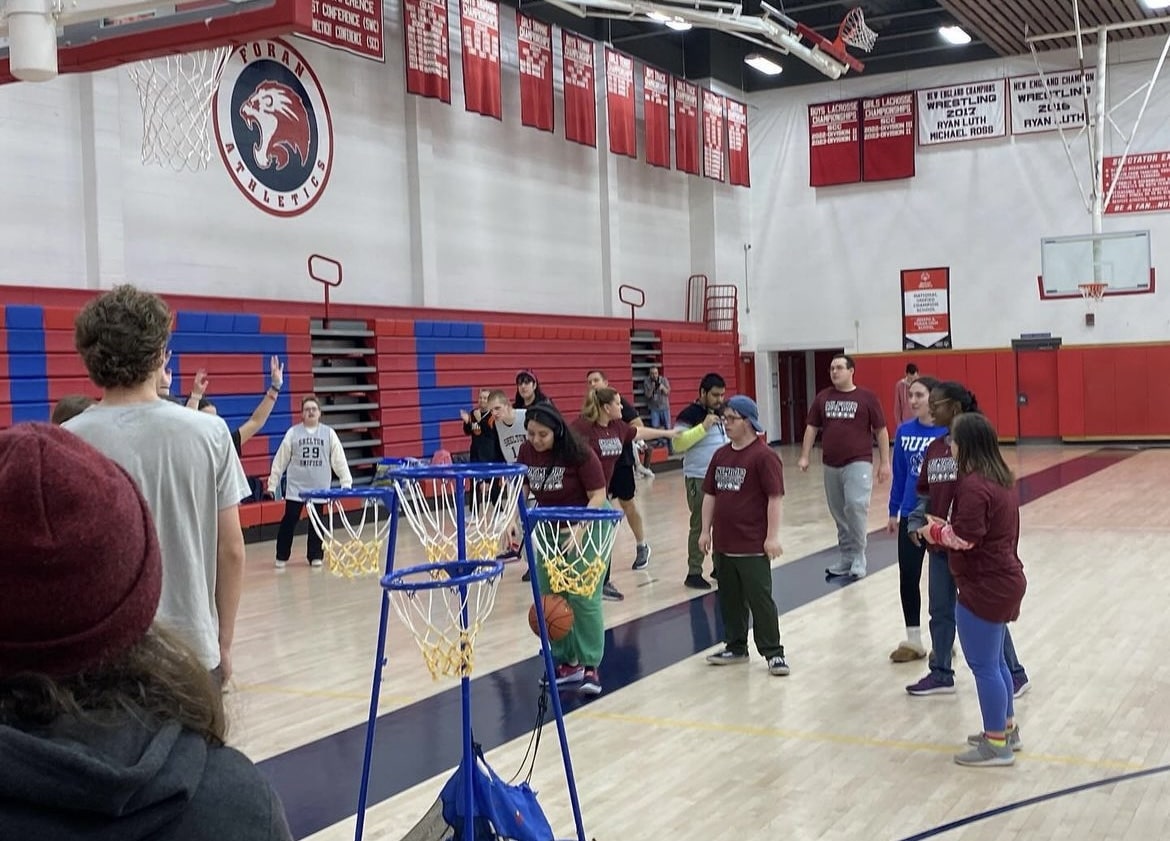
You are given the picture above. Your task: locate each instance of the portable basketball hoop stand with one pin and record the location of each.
(459, 573)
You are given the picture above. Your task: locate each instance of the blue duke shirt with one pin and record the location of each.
(910, 443)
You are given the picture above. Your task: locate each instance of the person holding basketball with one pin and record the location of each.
(310, 453)
(936, 489)
(910, 443)
(563, 470)
(981, 538)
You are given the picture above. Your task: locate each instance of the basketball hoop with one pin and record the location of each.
(1092, 292)
(352, 550)
(431, 502)
(854, 32)
(444, 605)
(175, 92)
(574, 545)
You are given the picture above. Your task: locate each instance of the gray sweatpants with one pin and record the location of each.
(847, 490)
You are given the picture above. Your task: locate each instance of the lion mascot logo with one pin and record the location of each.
(278, 114)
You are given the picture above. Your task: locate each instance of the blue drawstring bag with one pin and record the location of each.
(502, 811)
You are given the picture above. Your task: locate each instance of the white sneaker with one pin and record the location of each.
(280, 564)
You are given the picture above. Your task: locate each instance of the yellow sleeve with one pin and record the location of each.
(685, 440)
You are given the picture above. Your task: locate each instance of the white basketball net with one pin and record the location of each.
(435, 619)
(175, 92)
(1092, 293)
(352, 549)
(430, 507)
(575, 554)
(854, 32)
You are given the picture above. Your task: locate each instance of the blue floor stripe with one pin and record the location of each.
(318, 782)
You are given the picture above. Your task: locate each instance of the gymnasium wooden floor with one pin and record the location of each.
(676, 749)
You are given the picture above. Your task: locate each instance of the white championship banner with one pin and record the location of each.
(1059, 105)
(973, 111)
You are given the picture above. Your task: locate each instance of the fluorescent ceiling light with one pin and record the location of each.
(680, 25)
(657, 16)
(957, 35)
(1156, 4)
(763, 64)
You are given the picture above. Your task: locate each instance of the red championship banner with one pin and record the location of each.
(834, 143)
(479, 23)
(428, 57)
(887, 137)
(712, 135)
(580, 93)
(619, 101)
(686, 127)
(1144, 185)
(737, 144)
(656, 108)
(534, 48)
(926, 308)
(351, 25)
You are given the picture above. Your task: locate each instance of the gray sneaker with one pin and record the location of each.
(642, 558)
(838, 570)
(1013, 739)
(857, 570)
(611, 593)
(985, 754)
(726, 657)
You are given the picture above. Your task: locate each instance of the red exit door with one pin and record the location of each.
(1036, 394)
(745, 378)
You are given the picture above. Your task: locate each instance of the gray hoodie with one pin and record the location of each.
(130, 782)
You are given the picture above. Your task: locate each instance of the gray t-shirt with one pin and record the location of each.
(188, 471)
(512, 435)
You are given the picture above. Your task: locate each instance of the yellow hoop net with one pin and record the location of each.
(353, 547)
(575, 554)
(434, 613)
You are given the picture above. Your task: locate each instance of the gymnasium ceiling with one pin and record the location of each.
(907, 34)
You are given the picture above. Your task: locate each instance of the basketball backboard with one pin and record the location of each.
(1119, 259)
(150, 31)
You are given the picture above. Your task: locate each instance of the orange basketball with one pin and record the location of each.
(558, 616)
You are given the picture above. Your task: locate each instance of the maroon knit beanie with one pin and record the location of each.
(80, 570)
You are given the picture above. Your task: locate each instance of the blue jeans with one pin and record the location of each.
(943, 597)
(659, 419)
(982, 643)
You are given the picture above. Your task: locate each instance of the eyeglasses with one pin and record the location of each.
(727, 417)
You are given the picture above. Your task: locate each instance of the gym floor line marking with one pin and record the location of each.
(1032, 801)
(841, 738)
(276, 689)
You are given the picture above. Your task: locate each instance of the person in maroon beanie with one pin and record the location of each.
(110, 727)
(981, 537)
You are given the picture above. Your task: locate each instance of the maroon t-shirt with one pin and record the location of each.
(741, 482)
(847, 420)
(989, 575)
(558, 484)
(937, 478)
(607, 441)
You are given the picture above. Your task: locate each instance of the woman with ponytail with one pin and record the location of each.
(936, 491)
(564, 471)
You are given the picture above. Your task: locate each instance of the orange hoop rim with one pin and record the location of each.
(1096, 291)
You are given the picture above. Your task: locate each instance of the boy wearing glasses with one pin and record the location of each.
(742, 496)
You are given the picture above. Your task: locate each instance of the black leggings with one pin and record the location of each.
(910, 575)
(288, 526)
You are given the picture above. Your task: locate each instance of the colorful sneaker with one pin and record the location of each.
(985, 754)
(931, 685)
(727, 657)
(611, 593)
(777, 666)
(642, 557)
(590, 683)
(1020, 685)
(697, 582)
(566, 674)
(1013, 739)
(839, 570)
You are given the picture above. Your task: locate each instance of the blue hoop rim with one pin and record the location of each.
(574, 513)
(488, 570)
(470, 470)
(364, 492)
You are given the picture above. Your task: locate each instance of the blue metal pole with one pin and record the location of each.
(550, 669)
(390, 501)
(469, 766)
